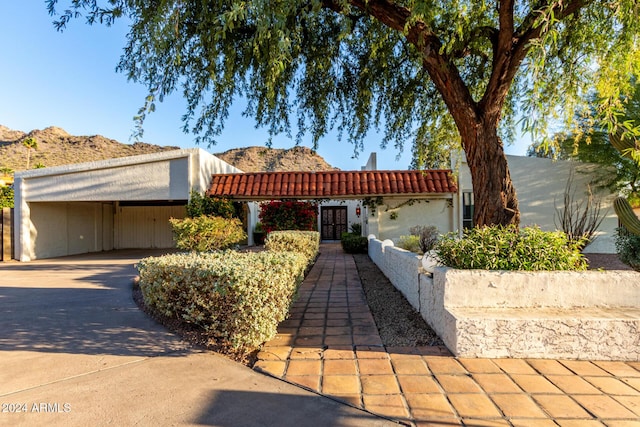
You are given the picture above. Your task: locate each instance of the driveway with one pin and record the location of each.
(75, 350)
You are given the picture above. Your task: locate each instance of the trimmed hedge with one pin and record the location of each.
(354, 243)
(510, 248)
(207, 233)
(237, 298)
(304, 242)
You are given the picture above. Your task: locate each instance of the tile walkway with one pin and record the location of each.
(330, 345)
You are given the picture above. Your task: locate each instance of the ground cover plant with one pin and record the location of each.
(510, 248)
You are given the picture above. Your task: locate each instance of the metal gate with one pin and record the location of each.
(334, 222)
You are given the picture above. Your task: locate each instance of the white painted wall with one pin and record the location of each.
(48, 225)
(539, 184)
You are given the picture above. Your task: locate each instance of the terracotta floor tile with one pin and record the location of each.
(365, 330)
(340, 367)
(312, 322)
(367, 340)
(485, 423)
(518, 405)
(314, 316)
(458, 384)
(610, 385)
(519, 422)
(497, 383)
(549, 367)
(434, 350)
(392, 406)
(309, 381)
(410, 367)
(351, 399)
(604, 407)
(580, 423)
(339, 352)
(340, 384)
(444, 365)
(337, 322)
(310, 331)
(573, 384)
(371, 352)
(375, 367)
(619, 369)
(310, 341)
(584, 367)
(339, 316)
(480, 366)
(633, 382)
(417, 384)
(427, 406)
(623, 423)
(514, 366)
(337, 330)
(630, 402)
(535, 384)
(281, 340)
(304, 367)
(379, 384)
(311, 353)
(334, 340)
(561, 406)
(473, 406)
(272, 367)
(274, 353)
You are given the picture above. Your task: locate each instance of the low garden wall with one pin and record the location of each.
(589, 315)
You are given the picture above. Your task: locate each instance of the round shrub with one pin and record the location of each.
(207, 233)
(410, 243)
(628, 248)
(510, 248)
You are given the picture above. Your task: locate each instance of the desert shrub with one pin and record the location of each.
(353, 243)
(428, 236)
(304, 242)
(6, 197)
(200, 205)
(510, 248)
(356, 228)
(237, 298)
(628, 248)
(289, 215)
(207, 233)
(410, 243)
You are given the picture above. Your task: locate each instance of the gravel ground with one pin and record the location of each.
(398, 323)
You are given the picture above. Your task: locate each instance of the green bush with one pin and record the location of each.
(354, 243)
(237, 298)
(356, 228)
(200, 205)
(304, 242)
(6, 197)
(510, 248)
(410, 243)
(207, 233)
(628, 248)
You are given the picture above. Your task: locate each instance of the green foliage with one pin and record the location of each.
(628, 248)
(428, 236)
(289, 215)
(207, 233)
(212, 206)
(510, 248)
(356, 228)
(410, 243)
(353, 243)
(237, 298)
(304, 242)
(6, 197)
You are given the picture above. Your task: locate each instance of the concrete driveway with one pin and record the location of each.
(75, 350)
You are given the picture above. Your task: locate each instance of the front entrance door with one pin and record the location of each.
(334, 222)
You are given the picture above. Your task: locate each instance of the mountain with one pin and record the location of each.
(57, 147)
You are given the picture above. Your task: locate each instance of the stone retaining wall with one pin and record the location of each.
(588, 315)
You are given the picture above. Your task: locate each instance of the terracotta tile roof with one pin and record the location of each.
(331, 184)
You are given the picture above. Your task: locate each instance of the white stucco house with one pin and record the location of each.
(126, 202)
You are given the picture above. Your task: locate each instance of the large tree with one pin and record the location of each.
(399, 65)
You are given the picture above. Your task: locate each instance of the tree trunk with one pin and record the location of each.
(493, 191)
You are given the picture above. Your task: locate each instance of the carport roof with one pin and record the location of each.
(331, 184)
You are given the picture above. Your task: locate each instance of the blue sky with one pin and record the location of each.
(68, 79)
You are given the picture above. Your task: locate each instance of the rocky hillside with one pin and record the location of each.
(57, 147)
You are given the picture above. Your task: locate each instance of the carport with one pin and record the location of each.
(111, 204)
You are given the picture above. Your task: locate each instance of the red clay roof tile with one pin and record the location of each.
(330, 184)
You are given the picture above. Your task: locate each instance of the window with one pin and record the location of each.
(467, 209)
